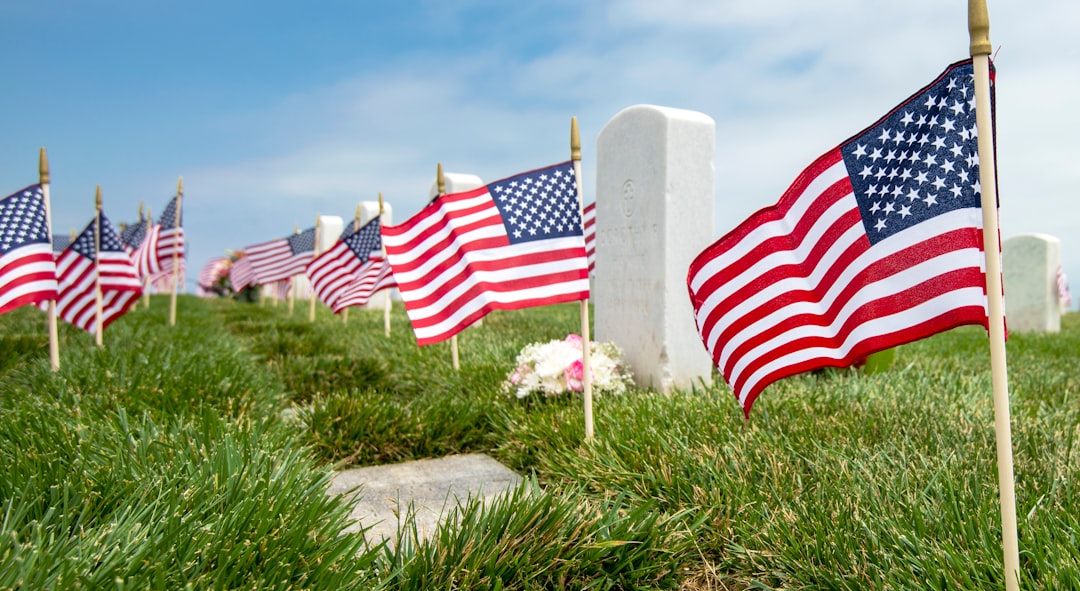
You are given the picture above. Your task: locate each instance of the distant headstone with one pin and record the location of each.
(456, 182)
(369, 210)
(1030, 264)
(654, 214)
(330, 227)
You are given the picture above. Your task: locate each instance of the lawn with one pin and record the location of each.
(199, 455)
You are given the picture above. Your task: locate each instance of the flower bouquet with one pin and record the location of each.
(555, 367)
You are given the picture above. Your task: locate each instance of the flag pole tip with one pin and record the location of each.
(43, 166)
(979, 27)
(575, 140)
(180, 186)
(440, 179)
(380, 203)
(97, 198)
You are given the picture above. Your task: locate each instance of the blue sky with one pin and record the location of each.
(274, 112)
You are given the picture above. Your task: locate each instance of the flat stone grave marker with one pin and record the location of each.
(433, 488)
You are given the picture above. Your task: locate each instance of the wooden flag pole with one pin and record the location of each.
(586, 366)
(146, 280)
(440, 182)
(979, 30)
(99, 327)
(54, 339)
(142, 280)
(292, 286)
(314, 253)
(176, 251)
(355, 227)
(386, 292)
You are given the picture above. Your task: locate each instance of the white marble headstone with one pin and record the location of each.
(654, 214)
(1029, 264)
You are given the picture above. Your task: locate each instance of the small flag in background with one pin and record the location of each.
(211, 273)
(1064, 297)
(60, 242)
(588, 218)
(170, 237)
(515, 243)
(333, 271)
(374, 275)
(876, 244)
(77, 272)
(241, 274)
(280, 259)
(27, 265)
(133, 235)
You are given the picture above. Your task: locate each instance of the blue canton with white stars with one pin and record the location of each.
(133, 234)
(60, 242)
(168, 219)
(110, 239)
(921, 161)
(22, 219)
(302, 242)
(365, 240)
(539, 205)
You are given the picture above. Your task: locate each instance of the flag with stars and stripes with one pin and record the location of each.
(82, 267)
(209, 275)
(27, 265)
(515, 243)
(373, 276)
(588, 219)
(132, 235)
(876, 244)
(334, 270)
(278, 260)
(1064, 297)
(169, 236)
(60, 242)
(241, 274)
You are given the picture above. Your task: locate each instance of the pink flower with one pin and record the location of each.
(574, 340)
(517, 376)
(575, 374)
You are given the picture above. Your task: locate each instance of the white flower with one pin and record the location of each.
(555, 368)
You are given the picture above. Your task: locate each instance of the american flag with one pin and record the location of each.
(60, 242)
(210, 274)
(333, 271)
(375, 275)
(876, 244)
(132, 235)
(241, 274)
(81, 268)
(514, 243)
(27, 266)
(1064, 297)
(170, 235)
(280, 259)
(588, 218)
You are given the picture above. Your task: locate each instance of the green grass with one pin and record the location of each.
(163, 461)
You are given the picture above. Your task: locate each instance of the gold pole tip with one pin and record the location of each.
(97, 198)
(979, 27)
(357, 215)
(180, 186)
(575, 140)
(380, 203)
(440, 179)
(43, 166)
